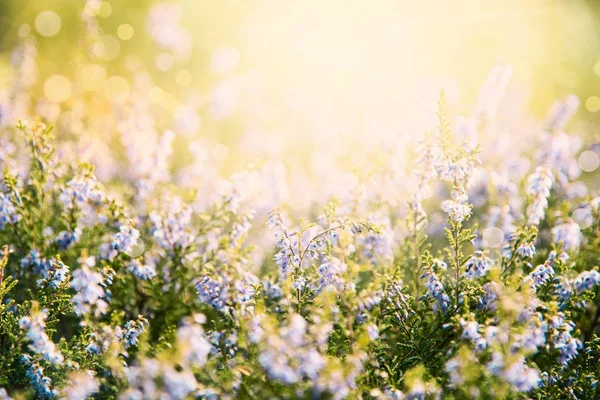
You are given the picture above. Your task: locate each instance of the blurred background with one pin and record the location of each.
(241, 82)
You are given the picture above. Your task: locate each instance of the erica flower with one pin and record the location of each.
(133, 329)
(53, 273)
(435, 290)
(39, 382)
(286, 242)
(82, 385)
(458, 208)
(538, 188)
(518, 374)
(8, 212)
(81, 189)
(213, 291)
(172, 228)
(191, 340)
(586, 280)
(90, 292)
(470, 330)
(142, 271)
(34, 327)
(478, 265)
(66, 239)
(541, 274)
(126, 238)
(526, 250)
(568, 234)
(331, 274)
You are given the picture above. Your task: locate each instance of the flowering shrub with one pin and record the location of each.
(436, 268)
(144, 296)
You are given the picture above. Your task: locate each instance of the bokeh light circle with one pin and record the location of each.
(589, 161)
(116, 88)
(493, 237)
(92, 77)
(592, 104)
(57, 88)
(48, 23)
(583, 217)
(125, 31)
(107, 48)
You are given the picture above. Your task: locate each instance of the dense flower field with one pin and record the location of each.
(462, 263)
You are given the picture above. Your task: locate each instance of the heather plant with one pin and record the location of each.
(460, 264)
(145, 297)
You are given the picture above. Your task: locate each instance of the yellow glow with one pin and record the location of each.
(105, 10)
(125, 31)
(156, 95)
(360, 66)
(107, 48)
(92, 77)
(48, 23)
(169, 102)
(116, 88)
(57, 88)
(164, 61)
(592, 104)
(597, 68)
(183, 77)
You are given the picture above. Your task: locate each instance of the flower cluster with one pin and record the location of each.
(445, 270)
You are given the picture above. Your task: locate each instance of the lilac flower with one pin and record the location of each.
(568, 346)
(239, 230)
(458, 170)
(4, 395)
(179, 384)
(370, 300)
(470, 330)
(563, 341)
(288, 356)
(561, 112)
(55, 275)
(564, 289)
(375, 246)
(246, 288)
